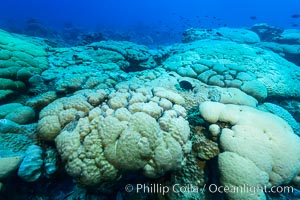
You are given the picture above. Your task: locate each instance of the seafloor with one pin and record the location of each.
(117, 120)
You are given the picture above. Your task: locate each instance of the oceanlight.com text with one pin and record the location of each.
(211, 188)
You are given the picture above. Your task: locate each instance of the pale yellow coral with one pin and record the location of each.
(97, 97)
(165, 104)
(236, 96)
(118, 100)
(122, 114)
(42, 100)
(167, 156)
(177, 126)
(235, 169)
(263, 140)
(61, 112)
(137, 98)
(172, 96)
(151, 108)
(49, 127)
(128, 131)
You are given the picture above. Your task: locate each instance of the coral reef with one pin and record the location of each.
(229, 64)
(266, 32)
(259, 148)
(293, 107)
(18, 113)
(58, 114)
(204, 148)
(238, 35)
(281, 112)
(284, 42)
(8, 165)
(82, 122)
(134, 129)
(50, 162)
(20, 59)
(30, 168)
(99, 65)
(40, 101)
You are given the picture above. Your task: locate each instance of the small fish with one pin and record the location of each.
(295, 25)
(253, 17)
(186, 85)
(219, 34)
(295, 16)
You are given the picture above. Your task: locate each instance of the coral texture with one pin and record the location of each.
(259, 148)
(17, 113)
(8, 165)
(31, 167)
(19, 60)
(257, 72)
(131, 129)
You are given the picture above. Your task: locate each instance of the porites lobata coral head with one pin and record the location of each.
(132, 129)
(259, 148)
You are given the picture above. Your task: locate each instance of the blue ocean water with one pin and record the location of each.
(145, 21)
